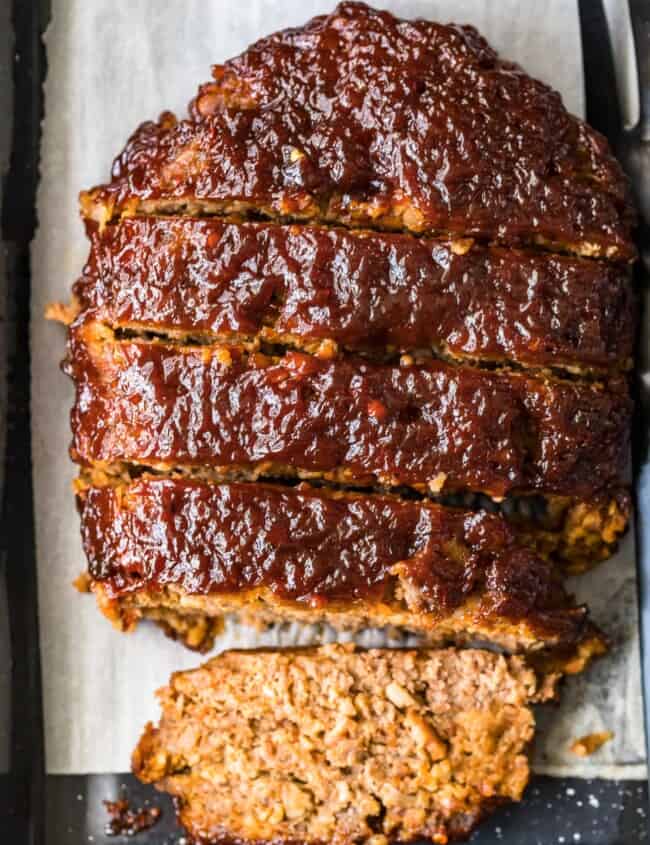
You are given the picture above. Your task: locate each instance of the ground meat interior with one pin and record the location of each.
(336, 745)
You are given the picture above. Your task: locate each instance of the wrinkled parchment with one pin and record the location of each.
(112, 65)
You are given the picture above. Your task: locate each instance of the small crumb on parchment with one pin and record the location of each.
(59, 312)
(586, 745)
(123, 820)
(83, 583)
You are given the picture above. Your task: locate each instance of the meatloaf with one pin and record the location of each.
(316, 289)
(429, 425)
(364, 119)
(379, 259)
(342, 746)
(185, 553)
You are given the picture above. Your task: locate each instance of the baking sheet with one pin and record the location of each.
(6, 109)
(112, 65)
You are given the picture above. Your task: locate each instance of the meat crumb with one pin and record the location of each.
(59, 312)
(82, 583)
(125, 821)
(586, 745)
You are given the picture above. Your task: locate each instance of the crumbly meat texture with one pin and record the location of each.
(321, 289)
(576, 534)
(197, 621)
(342, 746)
(361, 118)
(430, 425)
(315, 556)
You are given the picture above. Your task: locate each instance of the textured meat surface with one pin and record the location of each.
(362, 290)
(394, 561)
(333, 745)
(362, 118)
(430, 424)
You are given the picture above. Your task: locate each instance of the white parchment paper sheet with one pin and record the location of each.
(112, 65)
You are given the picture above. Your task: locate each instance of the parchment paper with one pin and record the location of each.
(112, 65)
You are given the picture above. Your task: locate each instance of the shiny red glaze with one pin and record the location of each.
(358, 115)
(495, 432)
(363, 290)
(311, 547)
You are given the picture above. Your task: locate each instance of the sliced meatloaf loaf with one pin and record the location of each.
(377, 258)
(429, 425)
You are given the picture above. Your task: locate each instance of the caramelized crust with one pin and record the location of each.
(213, 280)
(364, 119)
(342, 746)
(430, 425)
(576, 535)
(313, 555)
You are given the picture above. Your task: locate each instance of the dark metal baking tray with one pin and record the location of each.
(39, 809)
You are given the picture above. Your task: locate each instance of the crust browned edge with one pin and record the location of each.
(460, 827)
(198, 632)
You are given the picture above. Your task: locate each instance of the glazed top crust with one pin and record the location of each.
(364, 118)
(415, 424)
(316, 548)
(363, 290)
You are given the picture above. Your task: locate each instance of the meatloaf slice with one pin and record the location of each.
(310, 287)
(430, 425)
(361, 118)
(342, 746)
(187, 552)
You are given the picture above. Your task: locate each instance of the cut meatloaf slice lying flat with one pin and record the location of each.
(187, 552)
(430, 425)
(342, 746)
(307, 287)
(364, 119)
